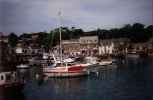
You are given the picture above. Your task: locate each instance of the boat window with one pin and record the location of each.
(8, 77)
(69, 64)
(58, 64)
(64, 64)
(2, 77)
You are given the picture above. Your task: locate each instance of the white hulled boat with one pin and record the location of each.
(90, 61)
(64, 68)
(105, 62)
(22, 66)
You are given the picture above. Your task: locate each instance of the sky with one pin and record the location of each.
(24, 16)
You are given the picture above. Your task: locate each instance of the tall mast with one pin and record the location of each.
(60, 31)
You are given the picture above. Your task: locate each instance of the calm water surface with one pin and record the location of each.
(132, 80)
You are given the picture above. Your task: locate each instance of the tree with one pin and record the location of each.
(149, 31)
(42, 38)
(66, 33)
(103, 34)
(138, 33)
(126, 30)
(76, 33)
(115, 33)
(12, 39)
(25, 35)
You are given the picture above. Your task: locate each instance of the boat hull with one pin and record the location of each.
(73, 71)
(65, 74)
(132, 55)
(104, 63)
(11, 84)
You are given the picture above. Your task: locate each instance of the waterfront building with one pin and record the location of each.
(139, 46)
(3, 38)
(24, 42)
(71, 46)
(113, 46)
(150, 46)
(32, 40)
(89, 45)
(29, 46)
(85, 45)
(106, 47)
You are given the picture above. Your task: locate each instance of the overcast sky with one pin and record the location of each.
(42, 15)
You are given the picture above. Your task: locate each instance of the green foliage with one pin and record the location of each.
(76, 33)
(149, 31)
(12, 39)
(42, 38)
(25, 35)
(136, 32)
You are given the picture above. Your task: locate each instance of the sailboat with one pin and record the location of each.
(63, 68)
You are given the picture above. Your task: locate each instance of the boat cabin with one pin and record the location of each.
(7, 78)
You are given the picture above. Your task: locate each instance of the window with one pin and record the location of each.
(8, 77)
(2, 77)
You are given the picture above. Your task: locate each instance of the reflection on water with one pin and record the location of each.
(11, 93)
(132, 80)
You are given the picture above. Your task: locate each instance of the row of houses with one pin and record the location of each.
(89, 44)
(92, 45)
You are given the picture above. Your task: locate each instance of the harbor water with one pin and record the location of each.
(131, 80)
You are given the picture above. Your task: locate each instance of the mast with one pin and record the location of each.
(60, 31)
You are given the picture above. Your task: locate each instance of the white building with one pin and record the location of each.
(88, 40)
(106, 49)
(110, 46)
